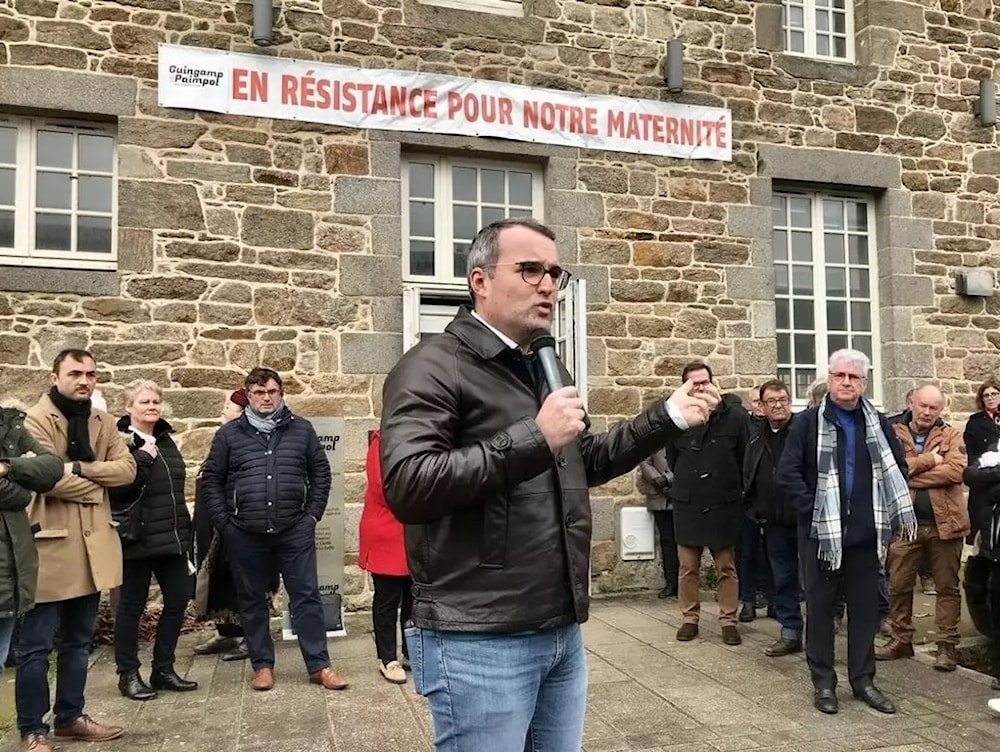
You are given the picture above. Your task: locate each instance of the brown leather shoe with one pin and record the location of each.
(35, 743)
(947, 657)
(263, 679)
(731, 636)
(328, 678)
(687, 632)
(86, 729)
(893, 650)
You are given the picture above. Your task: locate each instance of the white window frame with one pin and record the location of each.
(809, 9)
(497, 7)
(443, 201)
(820, 291)
(24, 252)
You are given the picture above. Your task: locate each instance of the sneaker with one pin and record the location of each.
(927, 585)
(994, 706)
(392, 672)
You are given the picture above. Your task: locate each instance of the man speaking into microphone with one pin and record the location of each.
(489, 469)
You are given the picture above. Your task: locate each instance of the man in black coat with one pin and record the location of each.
(707, 495)
(266, 484)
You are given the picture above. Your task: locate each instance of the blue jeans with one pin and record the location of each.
(783, 554)
(76, 620)
(502, 692)
(6, 632)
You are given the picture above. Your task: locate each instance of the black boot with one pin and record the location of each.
(167, 678)
(133, 687)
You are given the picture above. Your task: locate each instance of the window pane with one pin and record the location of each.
(822, 21)
(778, 204)
(840, 23)
(859, 283)
(781, 280)
(805, 349)
(802, 280)
(7, 192)
(805, 315)
(797, 42)
(784, 348)
(520, 188)
(857, 217)
(492, 185)
(492, 214)
(8, 145)
(519, 213)
(861, 317)
(857, 249)
(52, 190)
(421, 219)
(833, 215)
(834, 248)
(97, 153)
(801, 212)
(796, 17)
(864, 344)
(779, 245)
(53, 232)
(6, 229)
(421, 180)
(422, 258)
(459, 256)
(836, 283)
(836, 316)
(465, 224)
(840, 50)
(785, 375)
(802, 246)
(781, 318)
(822, 45)
(836, 342)
(93, 234)
(93, 193)
(803, 378)
(55, 149)
(463, 184)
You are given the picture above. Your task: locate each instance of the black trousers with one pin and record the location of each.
(392, 595)
(668, 547)
(175, 583)
(858, 576)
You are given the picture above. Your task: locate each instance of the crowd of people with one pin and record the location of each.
(92, 504)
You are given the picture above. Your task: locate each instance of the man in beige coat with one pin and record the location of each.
(79, 554)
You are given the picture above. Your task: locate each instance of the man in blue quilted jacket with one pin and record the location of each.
(266, 483)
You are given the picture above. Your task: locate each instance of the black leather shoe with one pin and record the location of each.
(133, 687)
(783, 646)
(873, 696)
(238, 653)
(748, 612)
(217, 644)
(825, 701)
(667, 592)
(167, 678)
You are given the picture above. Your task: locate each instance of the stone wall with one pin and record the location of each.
(246, 241)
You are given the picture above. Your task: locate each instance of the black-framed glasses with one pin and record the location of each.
(775, 401)
(533, 272)
(261, 393)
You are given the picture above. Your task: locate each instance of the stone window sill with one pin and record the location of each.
(826, 70)
(52, 280)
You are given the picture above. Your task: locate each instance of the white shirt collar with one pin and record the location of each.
(503, 337)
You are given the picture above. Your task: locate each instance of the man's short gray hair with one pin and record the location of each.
(485, 248)
(854, 357)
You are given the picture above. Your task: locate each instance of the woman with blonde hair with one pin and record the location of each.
(155, 528)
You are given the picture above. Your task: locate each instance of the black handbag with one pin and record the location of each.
(129, 519)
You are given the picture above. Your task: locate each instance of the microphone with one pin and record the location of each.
(543, 345)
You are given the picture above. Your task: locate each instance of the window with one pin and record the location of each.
(819, 28)
(57, 193)
(447, 200)
(498, 7)
(825, 284)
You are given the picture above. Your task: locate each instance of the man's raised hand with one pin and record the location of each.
(695, 406)
(561, 418)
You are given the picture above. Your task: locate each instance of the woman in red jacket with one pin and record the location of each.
(383, 555)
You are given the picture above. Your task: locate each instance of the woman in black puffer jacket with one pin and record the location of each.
(155, 527)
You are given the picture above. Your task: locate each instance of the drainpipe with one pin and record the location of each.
(263, 25)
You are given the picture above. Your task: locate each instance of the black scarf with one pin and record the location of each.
(78, 447)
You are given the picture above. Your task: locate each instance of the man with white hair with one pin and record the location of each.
(844, 471)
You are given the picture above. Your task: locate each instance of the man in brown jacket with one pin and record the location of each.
(935, 456)
(79, 554)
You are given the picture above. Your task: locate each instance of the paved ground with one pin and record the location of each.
(647, 692)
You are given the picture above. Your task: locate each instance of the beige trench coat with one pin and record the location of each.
(79, 552)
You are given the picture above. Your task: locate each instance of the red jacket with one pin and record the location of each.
(380, 534)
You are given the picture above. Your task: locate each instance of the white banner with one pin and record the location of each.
(258, 86)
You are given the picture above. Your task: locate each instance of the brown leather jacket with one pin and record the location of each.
(943, 481)
(497, 528)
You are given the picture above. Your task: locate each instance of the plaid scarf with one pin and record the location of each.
(890, 493)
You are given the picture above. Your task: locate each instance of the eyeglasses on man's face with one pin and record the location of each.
(533, 272)
(262, 393)
(853, 378)
(776, 401)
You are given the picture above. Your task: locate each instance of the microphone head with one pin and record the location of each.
(541, 338)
